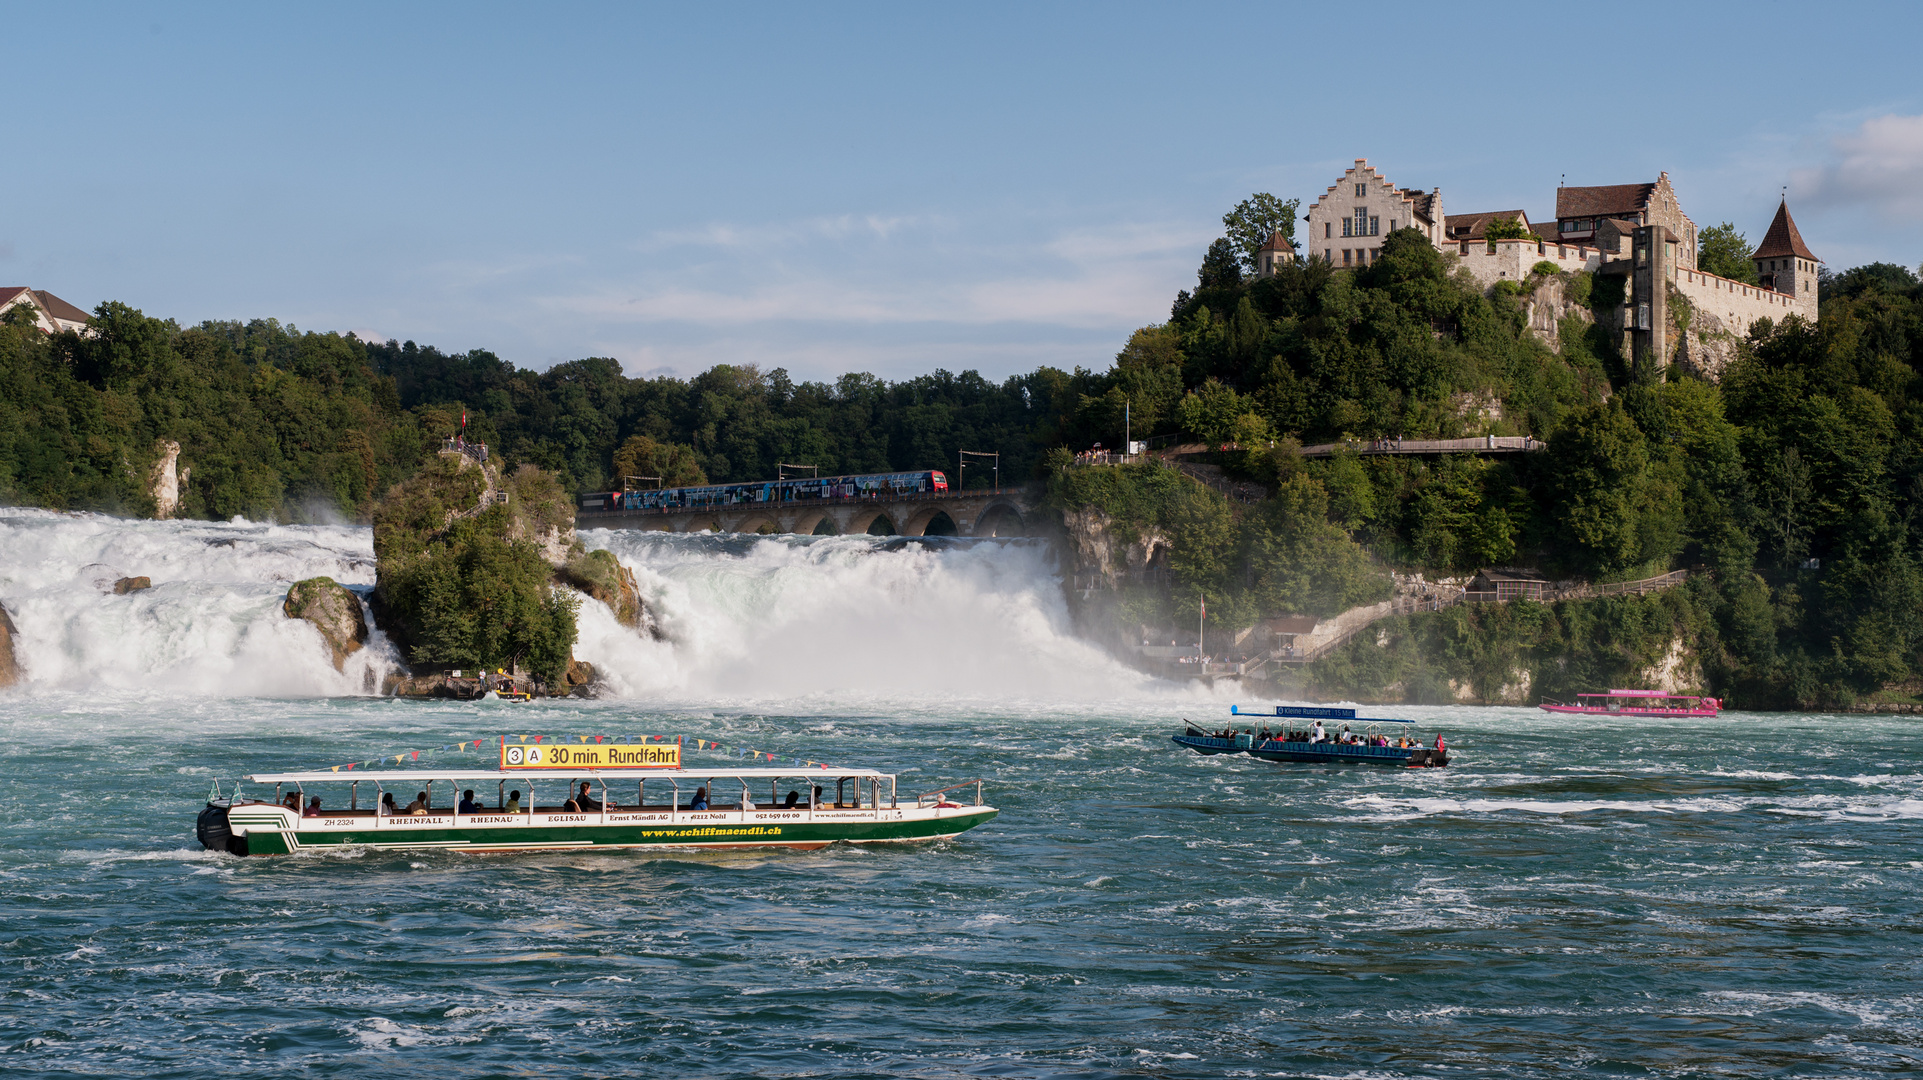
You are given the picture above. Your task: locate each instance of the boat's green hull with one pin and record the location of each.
(705, 835)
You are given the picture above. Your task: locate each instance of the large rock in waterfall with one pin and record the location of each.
(601, 575)
(334, 610)
(9, 668)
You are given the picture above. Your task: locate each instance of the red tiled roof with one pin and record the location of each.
(1476, 224)
(1613, 200)
(1545, 230)
(1277, 242)
(47, 302)
(1782, 240)
(59, 308)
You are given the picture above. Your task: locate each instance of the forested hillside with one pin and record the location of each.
(274, 422)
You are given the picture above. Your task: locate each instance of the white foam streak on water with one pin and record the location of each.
(210, 625)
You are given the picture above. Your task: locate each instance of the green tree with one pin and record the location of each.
(1221, 268)
(1507, 228)
(643, 456)
(1254, 220)
(1722, 250)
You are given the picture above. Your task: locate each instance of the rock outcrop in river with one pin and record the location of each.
(333, 610)
(477, 570)
(9, 668)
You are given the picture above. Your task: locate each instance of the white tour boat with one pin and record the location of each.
(637, 796)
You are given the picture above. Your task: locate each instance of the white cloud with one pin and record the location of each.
(1085, 279)
(1878, 166)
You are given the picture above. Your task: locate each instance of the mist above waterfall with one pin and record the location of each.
(835, 621)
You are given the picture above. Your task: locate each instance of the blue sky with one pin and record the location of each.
(888, 188)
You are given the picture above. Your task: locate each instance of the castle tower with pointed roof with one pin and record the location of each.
(1784, 263)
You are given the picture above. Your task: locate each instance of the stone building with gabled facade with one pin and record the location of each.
(1348, 223)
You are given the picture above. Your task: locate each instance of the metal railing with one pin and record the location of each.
(936, 795)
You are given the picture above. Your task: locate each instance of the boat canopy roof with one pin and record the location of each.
(1645, 694)
(1313, 712)
(562, 773)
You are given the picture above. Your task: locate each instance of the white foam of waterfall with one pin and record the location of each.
(212, 622)
(836, 621)
(747, 619)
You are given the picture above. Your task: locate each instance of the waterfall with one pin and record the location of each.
(210, 625)
(852, 620)
(844, 618)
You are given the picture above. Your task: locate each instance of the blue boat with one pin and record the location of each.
(1328, 750)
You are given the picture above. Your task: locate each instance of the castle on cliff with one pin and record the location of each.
(1634, 231)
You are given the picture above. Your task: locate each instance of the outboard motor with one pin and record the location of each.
(211, 828)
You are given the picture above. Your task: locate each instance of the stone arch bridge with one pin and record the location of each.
(962, 513)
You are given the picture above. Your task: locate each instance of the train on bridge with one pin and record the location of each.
(799, 490)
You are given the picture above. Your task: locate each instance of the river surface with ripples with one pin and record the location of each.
(1679, 898)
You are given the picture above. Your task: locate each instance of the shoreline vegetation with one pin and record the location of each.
(1790, 487)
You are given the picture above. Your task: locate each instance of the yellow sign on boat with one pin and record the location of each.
(592, 756)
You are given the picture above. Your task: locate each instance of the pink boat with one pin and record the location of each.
(1638, 703)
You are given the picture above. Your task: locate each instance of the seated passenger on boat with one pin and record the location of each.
(386, 808)
(513, 802)
(794, 797)
(313, 808)
(700, 799)
(292, 801)
(419, 805)
(583, 803)
(468, 805)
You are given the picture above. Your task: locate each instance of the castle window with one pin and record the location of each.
(1362, 191)
(1362, 221)
(1326, 226)
(1375, 226)
(1348, 227)
(1392, 224)
(1346, 253)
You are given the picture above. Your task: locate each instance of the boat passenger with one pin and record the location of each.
(815, 801)
(468, 805)
(292, 801)
(419, 805)
(513, 802)
(582, 802)
(1315, 732)
(794, 797)
(386, 807)
(700, 799)
(313, 808)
